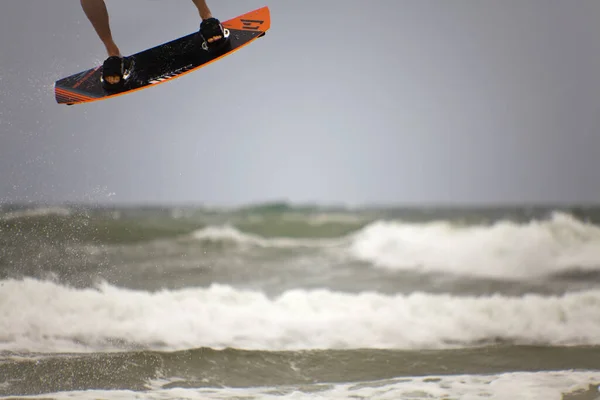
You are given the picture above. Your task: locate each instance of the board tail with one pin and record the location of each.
(258, 20)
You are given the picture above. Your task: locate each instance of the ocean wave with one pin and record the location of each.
(547, 385)
(504, 249)
(229, 233)
(560, 246)
(36, 212)
(45, 316)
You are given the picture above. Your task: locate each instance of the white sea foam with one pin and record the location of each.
(503, 250)
(509, 386)
(232, 234)
(45, 316)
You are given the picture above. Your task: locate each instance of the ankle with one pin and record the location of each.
(112, 49)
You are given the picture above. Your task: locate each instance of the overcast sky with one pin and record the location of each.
(343, 101)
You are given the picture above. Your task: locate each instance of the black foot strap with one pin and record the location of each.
(115, 66)
(209, 28)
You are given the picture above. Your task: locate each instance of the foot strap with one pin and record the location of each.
(120, 67)
(209, 28)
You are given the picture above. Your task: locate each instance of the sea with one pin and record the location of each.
(284, 301)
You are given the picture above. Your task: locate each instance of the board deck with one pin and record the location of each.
(164, 62)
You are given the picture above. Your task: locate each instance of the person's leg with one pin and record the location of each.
(203, 9)
(96, 12)
(206, 14)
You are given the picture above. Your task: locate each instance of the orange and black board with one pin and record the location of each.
(164, 62)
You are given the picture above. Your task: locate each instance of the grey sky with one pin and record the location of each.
(343, 101)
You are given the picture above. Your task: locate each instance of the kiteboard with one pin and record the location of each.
(165, 62)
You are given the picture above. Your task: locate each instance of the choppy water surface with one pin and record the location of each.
(277, 301)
